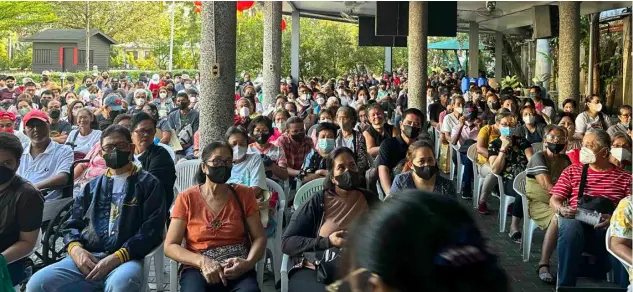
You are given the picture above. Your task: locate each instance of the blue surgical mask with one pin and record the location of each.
(505, 131)
(532, 95)
(326, 145)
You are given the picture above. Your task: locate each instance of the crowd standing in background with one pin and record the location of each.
(354, 133)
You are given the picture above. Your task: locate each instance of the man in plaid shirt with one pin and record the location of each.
(296, 145)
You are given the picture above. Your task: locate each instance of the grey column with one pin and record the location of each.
(294, 48)
(272, 51)
(417, 47)
(568, 51)
(388, 59)
(217, 55)
(473, 50)
(498, 57)
(543, 66)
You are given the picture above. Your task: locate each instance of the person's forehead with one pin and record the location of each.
(54, 103)
(145, 124)
(113, 138)
(5, 121)
(412, 117)
(619, 141)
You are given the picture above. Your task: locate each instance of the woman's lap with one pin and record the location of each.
(191, 280)
(304, 280)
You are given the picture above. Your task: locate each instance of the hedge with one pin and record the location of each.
(55, 76)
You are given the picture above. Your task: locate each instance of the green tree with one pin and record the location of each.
(18, 15)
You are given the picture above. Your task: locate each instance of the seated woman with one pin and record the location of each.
(84, 137)
(85, 172)
(163, 128)
(570, 106)
(321, 222)
(110, 229)
(273, 156)
(279, 124)
(352, 139)
(621, 151)
(375, 261)
(542, 172)
(492, 108)
(73, 110)
(624, 122)
(508, 156)
(420, 172)
(531, 130)
(220, 225)
(379, 130)
(592, 117)
(566, 121)
(325, 116)
(315, 164)
(248, 169)
(21, 206)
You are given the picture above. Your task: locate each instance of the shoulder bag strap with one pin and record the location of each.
(249, 241)
(583, 181)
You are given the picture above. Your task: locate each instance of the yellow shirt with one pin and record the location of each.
(486, 134)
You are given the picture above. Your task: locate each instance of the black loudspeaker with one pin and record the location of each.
(545, 21)
(368, 38)
(392, 18)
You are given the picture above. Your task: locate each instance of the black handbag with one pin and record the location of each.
(598, 204)
(325, 263)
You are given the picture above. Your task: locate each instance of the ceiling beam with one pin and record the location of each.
(292, 6)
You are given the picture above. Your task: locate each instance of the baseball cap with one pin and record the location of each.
(113, 101)
(185, 77)
(4, 115)
(45, 72)
(115, 80)
(470, 108)
(35, 114)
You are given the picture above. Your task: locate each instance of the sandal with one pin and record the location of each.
(545, 277)
(516, 236)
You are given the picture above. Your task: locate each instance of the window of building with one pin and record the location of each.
(81, 57)
(41, 56)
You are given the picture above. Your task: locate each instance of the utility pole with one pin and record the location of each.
(171, 37)
(87, 36)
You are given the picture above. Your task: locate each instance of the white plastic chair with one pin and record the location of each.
(159, 269)
(504, 202)
(452, 166)
(274, 243)
(477, 180)
(538, 146)
(169, 150)
(528, 224)
(460, 167)
(185, 174)
(303, 195)
(437, 143)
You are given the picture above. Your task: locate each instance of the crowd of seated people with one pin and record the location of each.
(354, 135)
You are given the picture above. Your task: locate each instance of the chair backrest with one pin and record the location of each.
(186, 174)
(538, 146)
(472, 153)
(169, 150)
(519, 183)
(274, 186)
(455, 150)
(607, 242)
(306, 191)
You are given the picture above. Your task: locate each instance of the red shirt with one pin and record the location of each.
(296, 152)
(613, 184)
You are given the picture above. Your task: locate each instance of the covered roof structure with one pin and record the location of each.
(452, 45)
(60, 35)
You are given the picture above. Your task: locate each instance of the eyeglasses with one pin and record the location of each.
(555, 139)
(123, 146)
(144, 132)
(220, 162)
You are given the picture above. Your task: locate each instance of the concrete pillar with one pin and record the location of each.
(294, 49)
(543, 65)
(568, 51)
(417, 47)
(272, 51)
(217, 55)
(388, 59)
(499, 57)
(473, 50)
(627, 54)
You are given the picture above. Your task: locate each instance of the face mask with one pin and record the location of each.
(532, 95)
(45, 78)
(459, 110)
(92, 96)
(262, 138)
(621, 154)
(326, 145)
(529, 119)
(598, 107)
(298, 137)
(303, 102)
(505, 131)
(162, 95)
(425, 172)
(281, 127)
(325, 121)
(293, 114)
(6, 174)
(244, 112)
(348, 180)
(139, 101)
(320, 101)
(184, 105)
(587, 156)
(238, 152)
(54, 114)
(219, 174)
(494, 105)
(24, 111)
(117, 159)
(411, 132)
(555, 148)
(187, 85)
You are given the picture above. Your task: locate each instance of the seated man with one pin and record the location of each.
(116, 221)
(314, 166)
(7, 125)
(296, 146)
(21, 207)
(597, 184)
(45, 163)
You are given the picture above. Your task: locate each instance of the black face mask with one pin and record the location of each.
(425, 172)
(115, 86)
(113, 114)
(348, 180)
(117, 159)
(262, 138)
(55, 114)
(184, 105)
(45, 78)
(495, 106)
(219, 174)
(44, 102)
(555, 148)
(6, 174)
(298, 137)
(411, 132)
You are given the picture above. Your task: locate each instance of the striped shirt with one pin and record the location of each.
(613, 184)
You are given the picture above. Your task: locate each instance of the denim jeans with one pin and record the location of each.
(17, 272)
(467, 179)
(65, 276)
(191, 280)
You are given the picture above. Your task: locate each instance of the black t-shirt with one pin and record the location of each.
(434, 111)
(386, 133)
(60, 128)
(392, 151)
(21, 207)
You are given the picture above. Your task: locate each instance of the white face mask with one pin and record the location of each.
(325, 121)
(320, 101)
(238, 152)
(139, 101)
(304, 102)
(193, 99)
(162, 95)
(459, 110)
(529, 119)
(187, 85)
(621, 154)
(245, 112)
(587, 156)
(598, 107)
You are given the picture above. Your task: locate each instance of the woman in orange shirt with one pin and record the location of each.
(221, 227)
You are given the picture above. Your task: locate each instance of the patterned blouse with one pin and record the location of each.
(621, 223)
(404, 180)
(516, 160)
(363, 160)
